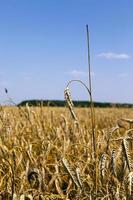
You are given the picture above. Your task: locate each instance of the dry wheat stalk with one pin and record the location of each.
(130, 183)
(112, 163)
(71, 172)
(111, 131)
(70, 103)
(78, 177)
(103, 166)
(58, 188)
(127, 120)
(24, 197)
(126, 154)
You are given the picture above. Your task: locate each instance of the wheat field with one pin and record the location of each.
(45, 154)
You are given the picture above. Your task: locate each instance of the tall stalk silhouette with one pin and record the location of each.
(71, 108)
(94, 138)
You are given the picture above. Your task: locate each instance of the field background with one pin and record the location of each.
(44, 154)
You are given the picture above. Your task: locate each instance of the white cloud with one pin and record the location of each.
(78, 73)
(111, 55)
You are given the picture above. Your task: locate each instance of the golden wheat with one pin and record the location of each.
(45, 156)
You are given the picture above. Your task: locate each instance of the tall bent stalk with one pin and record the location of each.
(91, 99)
(94, 142)
(70, 105)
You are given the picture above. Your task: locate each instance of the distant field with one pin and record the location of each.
(62, 103)
(44, 154)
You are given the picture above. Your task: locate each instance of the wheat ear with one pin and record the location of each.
(112, 163)
(68, 98)
(78, 177)
(130, 182)
(71, 172)
(103, 167)
(126, 154)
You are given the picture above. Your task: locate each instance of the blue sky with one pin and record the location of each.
(43, 46)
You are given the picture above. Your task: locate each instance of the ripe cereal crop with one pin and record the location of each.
(45, 155)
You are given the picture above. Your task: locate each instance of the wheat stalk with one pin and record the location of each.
(126, 154)
(78, 177)
(112, 162)
(70, 103)
(130, 182)
(103, 167)
(71, 172)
